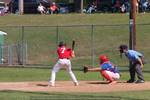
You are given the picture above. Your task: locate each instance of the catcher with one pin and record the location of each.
(108, 70)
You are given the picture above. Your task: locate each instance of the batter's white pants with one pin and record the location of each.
(62, 63)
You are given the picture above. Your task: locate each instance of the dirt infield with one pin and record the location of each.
(67, 86)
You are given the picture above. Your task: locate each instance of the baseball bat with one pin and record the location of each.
(73, 44)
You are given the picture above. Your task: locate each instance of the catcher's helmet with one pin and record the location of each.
(61, 43)
(103, 58)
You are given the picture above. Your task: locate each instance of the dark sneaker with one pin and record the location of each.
(130, 81)
(140, 81)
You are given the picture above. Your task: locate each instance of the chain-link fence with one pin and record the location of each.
(40, 43)
(14, 54)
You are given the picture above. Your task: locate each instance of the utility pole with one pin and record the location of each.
(132, 38)
(81, 6)
(21, 6)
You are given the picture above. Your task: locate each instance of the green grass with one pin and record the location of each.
(18, 95)
(104, 40)
(65, 19)
(34, 74)
(70, 19)
(31, 74)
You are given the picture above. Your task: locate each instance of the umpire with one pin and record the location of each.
(136, 64)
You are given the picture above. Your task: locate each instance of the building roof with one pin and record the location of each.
(6, 1)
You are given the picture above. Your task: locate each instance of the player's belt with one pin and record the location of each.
(64, 58)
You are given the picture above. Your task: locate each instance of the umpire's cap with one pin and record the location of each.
(123, 47)
(62, 43)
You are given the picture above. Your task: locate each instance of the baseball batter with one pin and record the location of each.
(64, 55)
(108, 70)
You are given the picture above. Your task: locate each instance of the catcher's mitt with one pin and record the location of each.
(85, 69)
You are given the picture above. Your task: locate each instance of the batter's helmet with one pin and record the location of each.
(103, 58)
(61, 43)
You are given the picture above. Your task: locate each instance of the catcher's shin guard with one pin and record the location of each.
(105, 75)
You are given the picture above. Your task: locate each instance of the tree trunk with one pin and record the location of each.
(77, 5)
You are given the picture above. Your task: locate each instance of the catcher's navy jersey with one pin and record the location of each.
(109, 66)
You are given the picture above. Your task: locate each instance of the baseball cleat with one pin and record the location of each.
(113, 82)
(130, 81)
(139, 81)
(76, 83)
(51, 84)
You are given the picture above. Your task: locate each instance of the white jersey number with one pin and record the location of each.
(63, 50)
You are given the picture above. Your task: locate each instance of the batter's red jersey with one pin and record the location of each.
(64, 52)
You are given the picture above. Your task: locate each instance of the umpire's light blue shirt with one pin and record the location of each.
(133, 55)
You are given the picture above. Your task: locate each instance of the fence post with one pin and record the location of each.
(57, 34)
(20, 48)
(10, 56)
(92, 44)
(1, 54)
(26, 53)
(22, 45)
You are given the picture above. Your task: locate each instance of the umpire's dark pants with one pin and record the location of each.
(135, 68)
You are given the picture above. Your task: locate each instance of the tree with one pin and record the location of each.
(78, 5)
